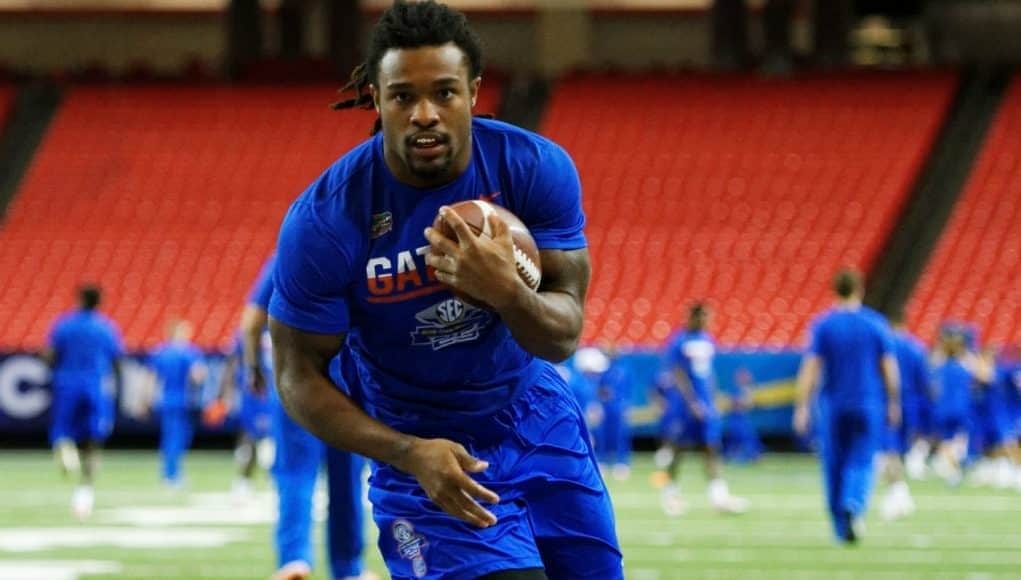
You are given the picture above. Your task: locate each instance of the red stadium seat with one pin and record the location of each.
(974, 272)
(169, 197)
(749, 193)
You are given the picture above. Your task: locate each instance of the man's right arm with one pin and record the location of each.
(253, 321)
(891, 380)
(807, 383)
(301, 362)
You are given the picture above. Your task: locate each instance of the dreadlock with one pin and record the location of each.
(409, 24)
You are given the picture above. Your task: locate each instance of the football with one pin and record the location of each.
(476, 214)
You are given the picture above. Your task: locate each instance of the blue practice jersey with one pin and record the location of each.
(914, 370)
(952, 381)
(86, 345)
(693, 353)
(615, 385)
(851, 344)
(352, 259)
(173, 363)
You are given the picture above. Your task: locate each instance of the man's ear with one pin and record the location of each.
(473, 89)
(375, 96)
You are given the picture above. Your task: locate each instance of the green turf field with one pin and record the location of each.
(140, 530)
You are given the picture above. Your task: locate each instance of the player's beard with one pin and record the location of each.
(436, 171)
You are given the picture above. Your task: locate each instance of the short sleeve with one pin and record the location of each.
(553, 210)
(262, 290)
(56, 335)
(313, 269)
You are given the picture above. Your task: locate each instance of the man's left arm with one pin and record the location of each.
(891, 380)
(546, 323)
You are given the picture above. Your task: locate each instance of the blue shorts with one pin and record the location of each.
(254, 416)
(895, 439)
(680, 427)
(952, 425)
(79, 414)
(918, 420)
(554, 509)
(703, 433)
(988, 431)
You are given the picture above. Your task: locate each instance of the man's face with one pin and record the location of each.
(425, 98)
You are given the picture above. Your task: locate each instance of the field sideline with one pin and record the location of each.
(140, 530)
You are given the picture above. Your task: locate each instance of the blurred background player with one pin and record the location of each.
(84, 347)
(179, 371)
(741, 442)
(914, 402)
(690, 355)
(299, 456)
(955, 371)
(613, 437)
(255, 446)
(587, 365)
(850, 360)
(671, 420)
(990, 434)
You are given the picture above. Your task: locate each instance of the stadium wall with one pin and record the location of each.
(26, 394)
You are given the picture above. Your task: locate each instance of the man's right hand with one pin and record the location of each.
(893, 414)
(256, 380)
(441, 467)
(801, 419)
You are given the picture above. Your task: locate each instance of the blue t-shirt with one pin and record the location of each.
(86, 345)
(693, 352)
(352, 259)
(666, 387)
(914, 370)
(952, 382)
(851, 344)
(172, 362)
(615, 385)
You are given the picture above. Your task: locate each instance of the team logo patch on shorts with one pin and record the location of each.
(411, 546)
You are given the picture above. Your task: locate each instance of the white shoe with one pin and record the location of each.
(1003, 473)
(621, 472)
(914, 464)
(671, 501)
(663, 457)
(897, 502)
(722, 501)
(731, 504)
(67, 458)
(241, 490)
(983, 474)
(296, 570)
(82, 501)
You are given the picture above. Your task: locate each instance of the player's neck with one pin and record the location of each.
(852, 303)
